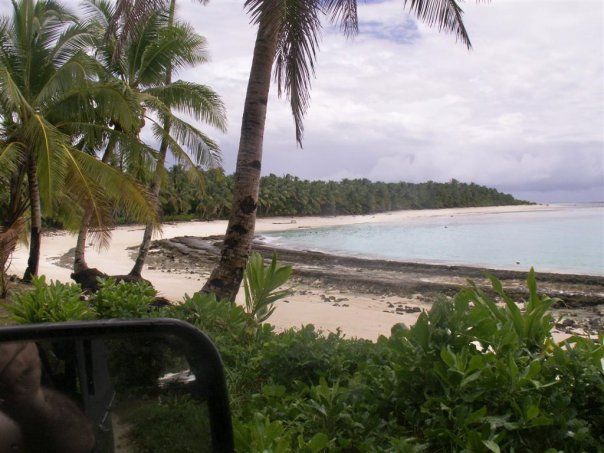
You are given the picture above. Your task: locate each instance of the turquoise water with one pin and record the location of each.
(566, 239)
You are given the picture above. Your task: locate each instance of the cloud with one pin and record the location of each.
(405, 32)
(522, 111)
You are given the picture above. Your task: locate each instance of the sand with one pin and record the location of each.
(360, 315)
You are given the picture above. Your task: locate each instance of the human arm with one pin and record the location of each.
(48, 420)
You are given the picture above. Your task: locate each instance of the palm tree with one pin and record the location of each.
(161, 158)
(287, 38)
(50, 95)
(157, 46)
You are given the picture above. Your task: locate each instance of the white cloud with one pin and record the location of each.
(523, 111)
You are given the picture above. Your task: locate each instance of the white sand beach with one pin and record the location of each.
(362, 317)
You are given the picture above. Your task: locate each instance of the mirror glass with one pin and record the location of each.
(127, 394)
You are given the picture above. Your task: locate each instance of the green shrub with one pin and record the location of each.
(223, 321)
(54, 302)
(307, 355)
(123, 300)
(473, 374)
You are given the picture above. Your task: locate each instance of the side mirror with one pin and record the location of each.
(112, 385)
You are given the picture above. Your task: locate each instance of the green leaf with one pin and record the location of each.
(318, 442)
(492, 446)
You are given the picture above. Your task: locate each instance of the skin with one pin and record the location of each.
(45, 420)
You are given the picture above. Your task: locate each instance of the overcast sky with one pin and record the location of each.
(523, 111)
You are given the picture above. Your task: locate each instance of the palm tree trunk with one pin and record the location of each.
(143, 249)
(79, 262)
(36, 220)
(225, 280)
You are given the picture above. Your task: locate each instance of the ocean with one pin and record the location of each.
(566, 239)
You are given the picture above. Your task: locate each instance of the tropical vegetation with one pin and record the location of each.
(292, 196)
(52, 99)
(473, 374)
(143, 64)
(74, 99)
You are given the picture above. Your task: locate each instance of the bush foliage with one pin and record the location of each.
(473, 374)
(54, 302)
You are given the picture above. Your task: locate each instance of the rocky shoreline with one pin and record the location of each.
(390, 286)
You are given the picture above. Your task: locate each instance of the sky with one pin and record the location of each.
(523, 111)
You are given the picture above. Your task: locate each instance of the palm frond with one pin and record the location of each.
(297, 26)
(102, 133)
(196, 100)
(445, 14)
(88, 194)
(72, 41)
(98, 11)
(12, 155)
(296, 54)
(343, 13)
(129, 13)
(10, 94)
(123, 191)
(161, 48)
(46, 140)
(69, 76)
(194, 172)
(99, 103)
(186, 140)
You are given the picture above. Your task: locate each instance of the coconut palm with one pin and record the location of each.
(161, 158)
(287, 38)
(50, 95)
(158, 46)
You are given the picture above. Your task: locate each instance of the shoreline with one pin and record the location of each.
(366, 315)
(395, 288)
(262, 240)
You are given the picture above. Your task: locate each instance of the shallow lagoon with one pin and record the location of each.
(568, 238)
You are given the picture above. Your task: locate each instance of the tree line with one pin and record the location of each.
(291, 196)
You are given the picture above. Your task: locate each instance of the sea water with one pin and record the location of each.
(565, 238)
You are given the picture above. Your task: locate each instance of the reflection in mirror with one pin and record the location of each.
(135, 394)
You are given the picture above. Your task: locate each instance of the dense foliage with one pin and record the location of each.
(72, 145)
(291, 196)
(470, 375)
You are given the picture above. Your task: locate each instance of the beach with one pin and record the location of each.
(332, 295)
